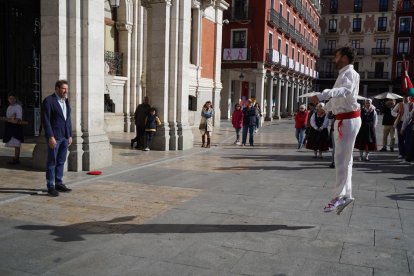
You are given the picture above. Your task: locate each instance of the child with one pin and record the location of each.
(151, 123)
(13, 136)
(237, 121)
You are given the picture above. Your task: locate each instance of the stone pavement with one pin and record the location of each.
(226, 210)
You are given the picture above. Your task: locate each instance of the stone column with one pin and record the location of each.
(75, 29)
(124, 27)
(225, 102)
(278, 82)
(173, 74)
(306, 90)
(158, 66)
(219, 7)
(284, 99)
(184, 132)
(291, 97)
(296, 96)
(260, 81)
(269, 97)
(365, 91)
(137, 62)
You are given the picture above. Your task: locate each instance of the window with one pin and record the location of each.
(332, 44)
(380, 43)
(332, 25)
(287, 49)
(400, 68)
(383, 5)
(406, 5)
(294, 22)
(279, 45)
(270, 42)
(303, 59)
(298, 58)
(293, 53)
(330, 67)
(357, 5)
(356, 44)
(240, 9)
(192, 103)
(382, 24)
(334, 6)
(239, 39)
(280, 8)
(356, 25)
(300, 28)
(288, 16)
(379, 70)
(272, 4)
(403, 46)
(405, 24)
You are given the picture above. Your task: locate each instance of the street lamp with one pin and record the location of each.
(114, 3)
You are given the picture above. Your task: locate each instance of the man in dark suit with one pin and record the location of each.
(58, 131)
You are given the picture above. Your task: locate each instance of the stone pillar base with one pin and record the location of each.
(161, 139)
(268, 119)
(97, 152)
(173, 145)
(185, 137)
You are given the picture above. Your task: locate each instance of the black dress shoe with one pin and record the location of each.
(52, 192)
(62, 188)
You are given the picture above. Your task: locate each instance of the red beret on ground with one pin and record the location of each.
(94, 172)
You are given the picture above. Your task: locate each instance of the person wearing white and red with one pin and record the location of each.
(343, 104)
(301, 119)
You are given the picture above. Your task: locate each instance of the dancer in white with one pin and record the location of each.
(343, 103)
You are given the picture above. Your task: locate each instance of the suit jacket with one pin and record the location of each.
(53, 121)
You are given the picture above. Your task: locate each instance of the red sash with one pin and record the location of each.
(344, 116)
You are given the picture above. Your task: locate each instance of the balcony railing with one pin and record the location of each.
(236, 54)
(332, 30)
(239, 14)
(360, 51)
(272, 56)
(274, 17)
(381, 51)
(114, 62)
(377, 75)
(328, 52)
(357, 9)
(283, 24)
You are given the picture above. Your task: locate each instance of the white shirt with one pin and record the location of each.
(406, 110)
(343, 95)
(14, 111)
(62, 103)
(325, 123)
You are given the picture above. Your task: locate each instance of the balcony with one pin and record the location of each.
(239, 14)
(332, 30)
(357, 9)
(236, 54)
(328, 52)
(381, 51)
(114, 62)
(356, 30)
(328, 75)
(360, 51)
(383, 8)
(377, 75)
(283, 25)
(274, 17)
(402, 53)
(272, 56)
(405, 31)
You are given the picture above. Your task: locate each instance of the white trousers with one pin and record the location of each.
(344, 148)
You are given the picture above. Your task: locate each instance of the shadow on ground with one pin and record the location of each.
(22, 191)
(75, 232)
(25, 164)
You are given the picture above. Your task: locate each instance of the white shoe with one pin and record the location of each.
(147, 149)
(400, 157)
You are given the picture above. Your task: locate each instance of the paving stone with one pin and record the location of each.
(398, 240)
(346, 234)
(312, 267)
(257, 263)
(382, 258)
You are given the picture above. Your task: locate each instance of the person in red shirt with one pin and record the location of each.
(237, 121)
(301, 118)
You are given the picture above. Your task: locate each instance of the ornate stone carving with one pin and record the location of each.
(124, 27)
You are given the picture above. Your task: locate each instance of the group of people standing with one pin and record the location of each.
(146, 122)
(246, 120)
